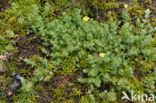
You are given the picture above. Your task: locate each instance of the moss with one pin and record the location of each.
(24, 98)
(63, 87)
(66, 95)
(136, 11)
(153, 21)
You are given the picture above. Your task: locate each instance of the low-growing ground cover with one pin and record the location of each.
(69, 51)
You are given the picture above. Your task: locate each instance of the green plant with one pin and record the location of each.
(112, 51)
(43, 72)
(108, 58)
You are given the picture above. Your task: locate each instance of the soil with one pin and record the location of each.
(3, 5)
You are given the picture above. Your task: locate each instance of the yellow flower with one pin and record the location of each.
(125, 5)
(102, 55)
(86, 18)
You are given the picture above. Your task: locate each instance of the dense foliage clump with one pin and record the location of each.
(51, 52)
